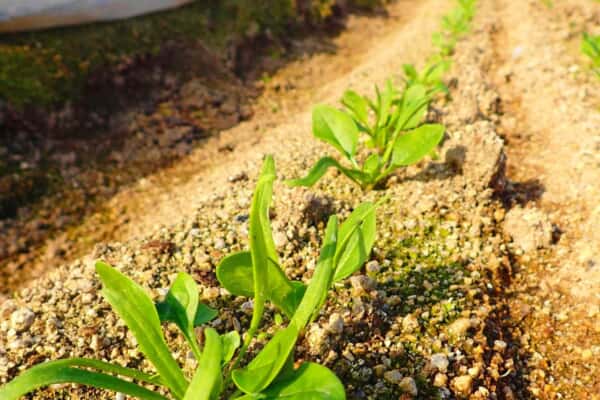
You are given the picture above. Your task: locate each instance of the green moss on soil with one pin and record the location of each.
(49, 67)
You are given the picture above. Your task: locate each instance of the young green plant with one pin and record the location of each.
(270, 375)
(430, 76)
(396, 136)
(590, 46)
(143, 318)
(454, 25)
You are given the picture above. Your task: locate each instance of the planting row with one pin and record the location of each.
(375, 137)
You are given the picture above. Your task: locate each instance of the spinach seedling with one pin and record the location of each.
(445, 44)
(454, 25)
(257, 270)
(270, 375)
(395, 137)
(590, 46)
(143, 318)
(256, 273)
(457, 22)
(430, 77)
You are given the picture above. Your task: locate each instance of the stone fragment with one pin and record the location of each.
(336, 324)
(462, 385)
(21, 319)
(529, 228)
(440, 362)
(408, 385)
(394, 376)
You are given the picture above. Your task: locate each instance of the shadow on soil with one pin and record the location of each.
(133, 121)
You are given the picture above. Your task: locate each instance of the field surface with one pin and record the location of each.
(484, 281)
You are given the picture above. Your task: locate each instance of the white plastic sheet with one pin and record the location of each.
(24, 15)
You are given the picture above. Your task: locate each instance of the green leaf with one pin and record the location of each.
(316, 292)
(416, 144)
(135, 307)
(319, 169)
(262, 247)
(435, 72)
(410, 72)
(413, 107)
(357, 105)
(371, 165)
(182, 307)
(204, 314)
(265, 367)
(385, 103)
(309, 382)
(207, 381)
(235, 274)
(356, 238)
(270, 361)
(590, 46)
(231, 341)
(63, 371)
(336, 128)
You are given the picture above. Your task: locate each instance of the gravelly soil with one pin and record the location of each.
(465, 295)
(107, 200)
(552, 124)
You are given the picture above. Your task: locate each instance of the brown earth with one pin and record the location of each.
(536, 292)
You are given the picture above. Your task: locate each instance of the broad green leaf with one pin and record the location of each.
(413, 107)
(63, 371)
(319, 169)
(310, 381)
(356, 238)
(371, 165)
(416, 144)
(357, 105)
(231, 341)
(235, 274)
(134, 306)
(204, 314)
(207, 381)
(265, 367)
(182, 307)
(269, 362)
(336, 128)
(410, 72)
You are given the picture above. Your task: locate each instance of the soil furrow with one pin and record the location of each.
(551, 124)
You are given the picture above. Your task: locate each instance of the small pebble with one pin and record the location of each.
(408, 385)
(394, 376)
(462, 385)
(21, 319)
(336, 324)
(373, 267)
(440, 380)
(499, 345)
(440, 362)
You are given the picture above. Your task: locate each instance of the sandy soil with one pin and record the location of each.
(552, 125)
(322, 67)
(522, 256)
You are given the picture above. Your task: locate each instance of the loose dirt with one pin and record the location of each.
(485, 276)
(129, 195)
(552, 127)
